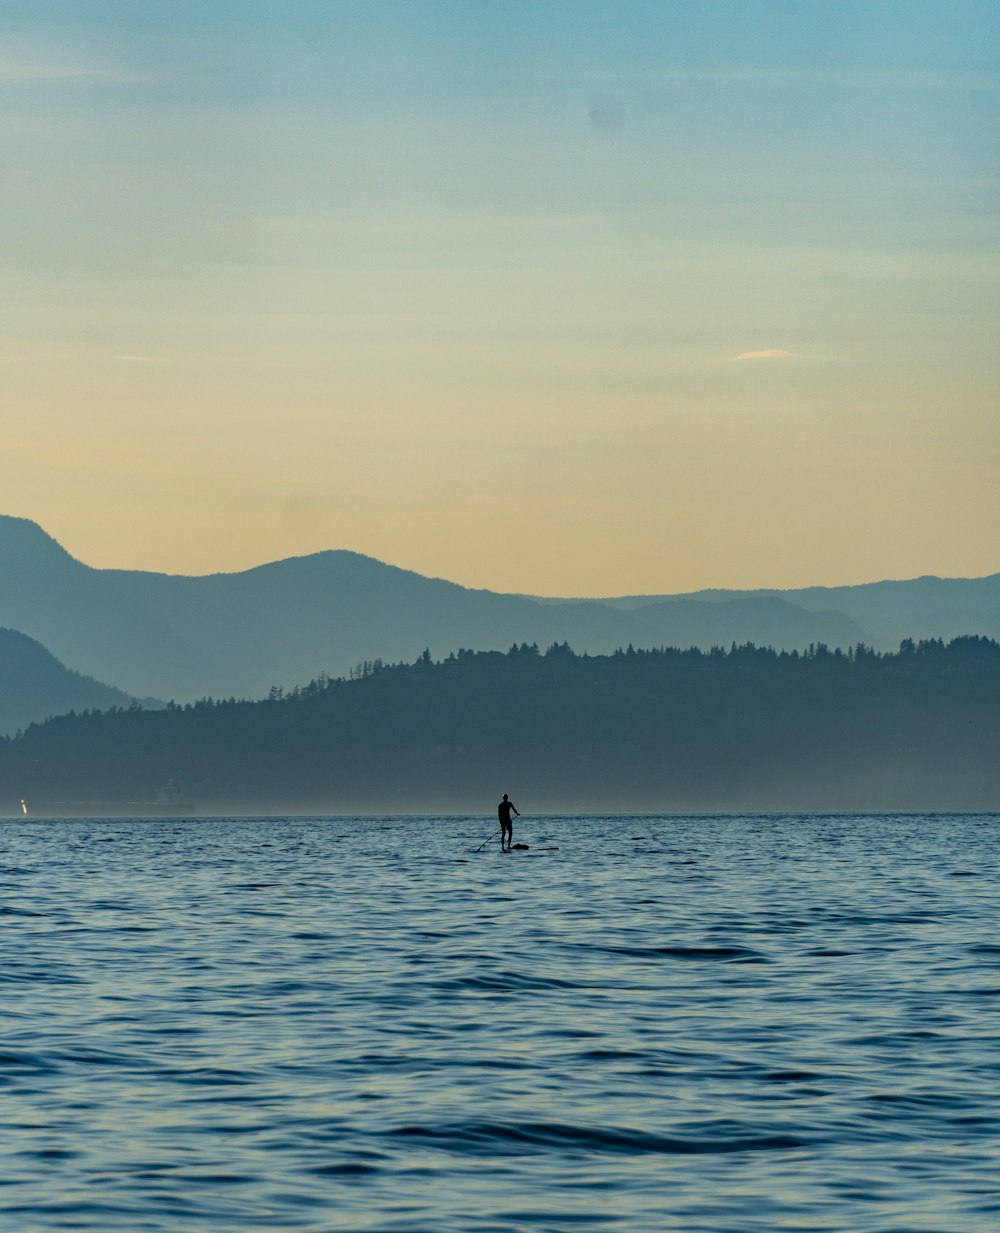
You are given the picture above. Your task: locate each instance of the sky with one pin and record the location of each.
(559, 297)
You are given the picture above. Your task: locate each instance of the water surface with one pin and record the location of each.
(666, 1023)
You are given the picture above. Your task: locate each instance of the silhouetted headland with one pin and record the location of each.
(743, 729)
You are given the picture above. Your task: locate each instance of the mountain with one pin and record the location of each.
(238, 634)
(747, 729)
(887, 612)
(35, 685)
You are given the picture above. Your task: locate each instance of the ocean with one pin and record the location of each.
(711, 1024)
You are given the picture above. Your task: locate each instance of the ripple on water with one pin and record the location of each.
(698, 1024)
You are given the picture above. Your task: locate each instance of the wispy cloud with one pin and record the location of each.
(849, 77)
(772, 353)
(17, 72)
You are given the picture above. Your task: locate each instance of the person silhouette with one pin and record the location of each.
(504, 810)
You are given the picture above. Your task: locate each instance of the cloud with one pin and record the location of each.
(772, 353)
(18, 72)
(138, 359)
(848, 77)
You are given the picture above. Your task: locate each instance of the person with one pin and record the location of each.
(504, 810)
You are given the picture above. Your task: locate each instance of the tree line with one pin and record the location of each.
(746, 727)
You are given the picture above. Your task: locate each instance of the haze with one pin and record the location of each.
(571, 298)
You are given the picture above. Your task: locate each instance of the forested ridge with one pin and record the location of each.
(747, 728)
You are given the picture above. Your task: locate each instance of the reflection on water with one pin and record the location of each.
(666, 1023)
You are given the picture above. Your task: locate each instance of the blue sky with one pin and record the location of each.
(573, 298)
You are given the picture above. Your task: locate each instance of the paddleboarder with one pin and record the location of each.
(504, 810)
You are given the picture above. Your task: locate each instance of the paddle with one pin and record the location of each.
(486, 841)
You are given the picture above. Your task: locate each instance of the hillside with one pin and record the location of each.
(886, 611)
(238, 634)
(235, 635)
(35, 685)
(743, 730)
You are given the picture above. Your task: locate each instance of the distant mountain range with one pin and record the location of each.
(224, 635)
(35, 685)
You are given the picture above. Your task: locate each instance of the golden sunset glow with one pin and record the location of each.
(514, 295)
